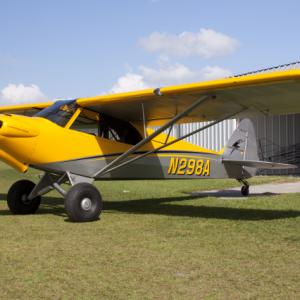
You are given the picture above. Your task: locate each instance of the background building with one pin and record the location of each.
(278, 139)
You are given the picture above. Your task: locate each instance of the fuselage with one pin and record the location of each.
(41, 144)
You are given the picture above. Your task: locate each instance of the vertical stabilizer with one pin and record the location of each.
(242, 144)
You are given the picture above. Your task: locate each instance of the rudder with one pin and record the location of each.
(242, 144)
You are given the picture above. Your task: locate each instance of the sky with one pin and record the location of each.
(70, 49)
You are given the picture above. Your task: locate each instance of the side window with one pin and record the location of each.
(118, 130)
(106, 127)
(87, 121)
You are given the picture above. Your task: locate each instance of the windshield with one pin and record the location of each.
(60, 112)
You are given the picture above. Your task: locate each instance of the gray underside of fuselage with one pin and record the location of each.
(153, 167)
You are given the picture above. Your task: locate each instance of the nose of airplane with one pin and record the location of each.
(18, 126)
(18, 140)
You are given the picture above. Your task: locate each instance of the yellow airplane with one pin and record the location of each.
(107, 138)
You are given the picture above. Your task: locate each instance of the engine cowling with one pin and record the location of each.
(18, 139)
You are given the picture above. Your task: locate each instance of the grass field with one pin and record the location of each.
(153, 242)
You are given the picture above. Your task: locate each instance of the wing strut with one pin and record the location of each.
(144, 120)
(181, 138)
(171, 127)
(154, 134)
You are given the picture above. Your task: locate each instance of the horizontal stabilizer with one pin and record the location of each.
(260, 164)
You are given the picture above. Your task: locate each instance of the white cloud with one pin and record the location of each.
(166, 75)
(10, 60)
(207, 43)
(13, 94)
(129, 82)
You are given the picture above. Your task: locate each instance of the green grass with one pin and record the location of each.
(153, 242)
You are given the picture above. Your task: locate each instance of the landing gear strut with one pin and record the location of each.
(245, 187)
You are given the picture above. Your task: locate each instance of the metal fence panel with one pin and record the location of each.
(275, 133)
(213, 138)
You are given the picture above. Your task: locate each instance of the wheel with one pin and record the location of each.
(245, 190)
(17, 198)
(83, 203)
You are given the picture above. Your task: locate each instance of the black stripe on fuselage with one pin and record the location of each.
(140, 153)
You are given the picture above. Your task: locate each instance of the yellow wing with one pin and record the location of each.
(26, 109)
(262, 94)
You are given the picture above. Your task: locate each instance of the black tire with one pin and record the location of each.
(245, 190)
(17, 198)
(83, 195)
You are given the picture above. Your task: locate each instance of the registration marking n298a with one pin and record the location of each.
(183, 166)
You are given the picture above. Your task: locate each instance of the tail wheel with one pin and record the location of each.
(83, 203)
(17, 198)
(245, 190)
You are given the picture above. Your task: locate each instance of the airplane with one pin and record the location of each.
(107, 137)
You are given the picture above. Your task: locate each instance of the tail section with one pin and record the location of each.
(242, 144)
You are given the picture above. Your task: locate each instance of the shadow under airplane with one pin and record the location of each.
(164, 206)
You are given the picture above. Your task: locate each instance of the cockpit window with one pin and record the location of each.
(60, 112)
(106, 127)
(118, 130)
(91, 122)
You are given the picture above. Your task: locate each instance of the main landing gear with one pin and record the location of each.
(83, 202)
(245, 187)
